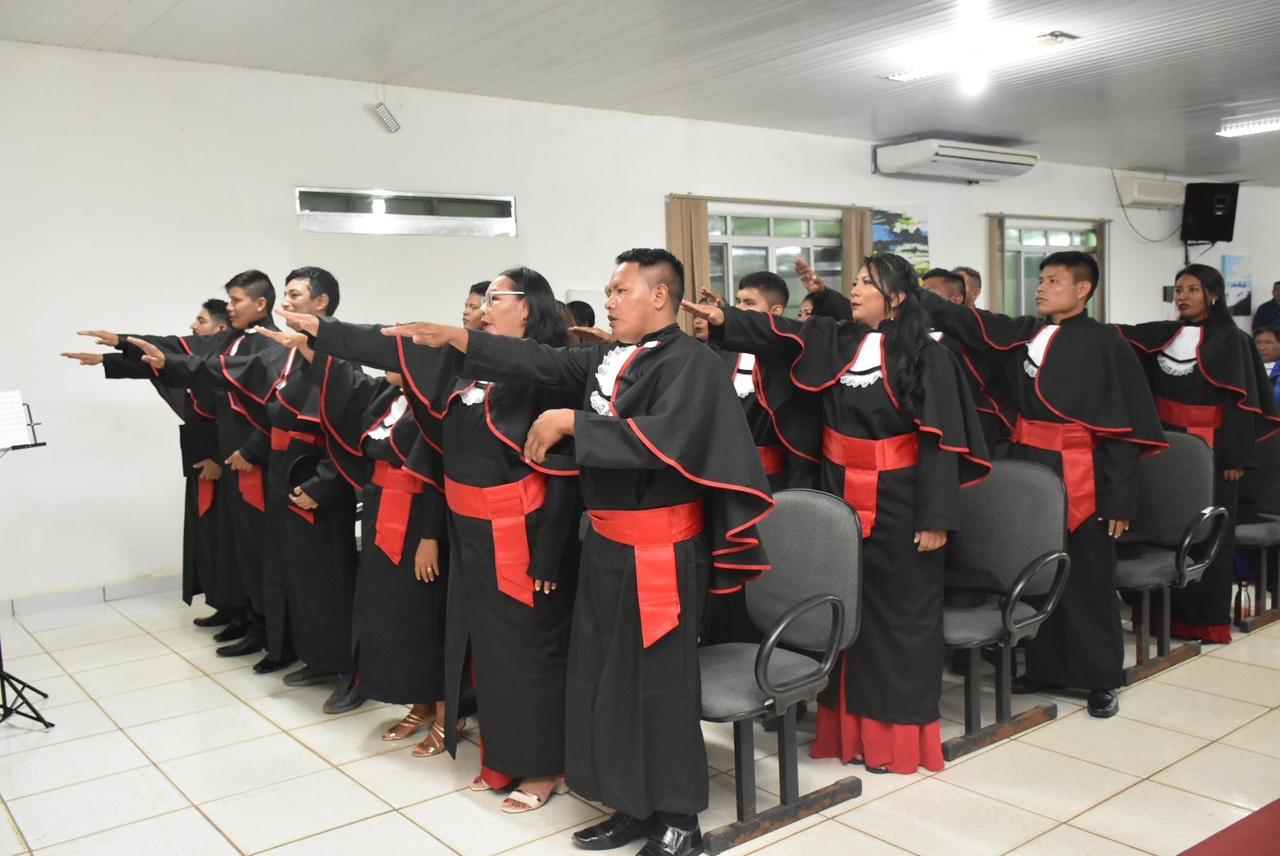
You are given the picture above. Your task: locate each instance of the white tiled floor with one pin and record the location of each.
(163, 748)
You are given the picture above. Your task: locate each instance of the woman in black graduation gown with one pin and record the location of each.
(1208, 380)
(888, 393)
(513, 536)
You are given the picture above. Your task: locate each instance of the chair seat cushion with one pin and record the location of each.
(1261, 534)
(970, 625)
(729, 687)
(1152, 568)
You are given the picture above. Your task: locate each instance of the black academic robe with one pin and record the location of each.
(518, 652)
(198, 441)
(398, 621)
(1211, 365)
(892, 671)
(983, 381)
(1078, 372)
(659, 426)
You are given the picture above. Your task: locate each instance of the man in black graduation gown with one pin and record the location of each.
(198, 442)
(309, 556)
(674, 490)
(1080, 405)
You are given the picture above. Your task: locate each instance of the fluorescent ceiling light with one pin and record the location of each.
(991, 53)
(1243, 127)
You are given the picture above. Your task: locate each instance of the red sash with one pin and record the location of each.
(863, 462)
(1200, 420)
(1076, 444)
(774, 459)
(280, 439)
(398, 490)
(505, 506)
(251, 487)
(653, 533)
(205, 495)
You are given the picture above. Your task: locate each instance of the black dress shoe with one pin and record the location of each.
(673, 841)
(250, 644)
(346, 697)
(1103, 703)
(218, 619)
(233, 631)
(266, 665)
(618, 830)
(307, 676)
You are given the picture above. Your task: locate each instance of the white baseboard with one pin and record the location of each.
(137, 588)
(97, 594)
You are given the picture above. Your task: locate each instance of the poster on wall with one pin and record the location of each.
(904, 231)
(1238, 274)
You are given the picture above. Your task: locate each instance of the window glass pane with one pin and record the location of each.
(717, 225)
(1012, 236)
(1089, 239)
(827, 263)
(786, 259)
(1033, 238)
(1012, 293)
(787, 227)
(717, 270)
(1030, 280)
(749, 260)
(1059, 239)
(827, 229)
(750, 226)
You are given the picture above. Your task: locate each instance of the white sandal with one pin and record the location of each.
(532, 802)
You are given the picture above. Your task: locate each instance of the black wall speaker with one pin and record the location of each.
(1209, 213)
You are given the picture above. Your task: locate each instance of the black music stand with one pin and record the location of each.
(9, 684)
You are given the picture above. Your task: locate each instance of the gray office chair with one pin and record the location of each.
(810, 601)
(1013, 534)
(1176, 537)
(1262, 487)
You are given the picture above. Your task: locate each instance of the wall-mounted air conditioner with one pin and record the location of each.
(951, 160)
(1150, 193)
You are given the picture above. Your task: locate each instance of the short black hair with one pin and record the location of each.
(968, 271)
(1083, 267)
(1274, 331)
(670, 270)
(545, 324)
(949, 276)
(771, 286)
(256, 284)
(480, 288)
(320, 281)
(583, 314)
(217, 310)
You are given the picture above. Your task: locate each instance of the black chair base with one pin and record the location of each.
(958, 747)
(1262, 588)
(1167, 655)
(730, 835)
(1254, 622)
(1156, 665)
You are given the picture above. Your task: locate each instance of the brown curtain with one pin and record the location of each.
(993, 282)
(687, 239)
(855, 243)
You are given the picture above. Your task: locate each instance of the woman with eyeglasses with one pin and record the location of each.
(899, 438)
(512, 534)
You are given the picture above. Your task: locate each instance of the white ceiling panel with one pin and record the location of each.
(1146, 85)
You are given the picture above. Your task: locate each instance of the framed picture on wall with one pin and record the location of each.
(1238, 274)
(903, 231)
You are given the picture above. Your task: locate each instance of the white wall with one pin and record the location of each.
(133, 188)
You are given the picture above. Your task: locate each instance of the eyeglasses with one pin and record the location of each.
(489, 301)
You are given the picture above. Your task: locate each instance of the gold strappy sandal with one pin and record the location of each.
(412, 721)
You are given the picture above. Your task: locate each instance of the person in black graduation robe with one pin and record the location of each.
(1208, 380)
(511, 597)
(882, 709)
(1080, 406)
(674, 490)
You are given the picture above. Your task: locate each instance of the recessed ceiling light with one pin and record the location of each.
(1244, 127)
(991, 54)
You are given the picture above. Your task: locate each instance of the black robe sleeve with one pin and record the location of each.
(560, 514)
(986, 333)
(359, 343)
(830, 303)
(506, 359)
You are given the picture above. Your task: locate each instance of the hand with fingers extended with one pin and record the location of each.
(431, 335)
(238, 463)
(287, 339)
(589, 335)
(299, 498)
(809, 277)
(706, 295)
(548, 429)
(713, 315)
(303, 323)
(82, 358)
(426, 560)
(1116, 528)
(151, 355)
(101, 337)
(210, 470)
(545, 586)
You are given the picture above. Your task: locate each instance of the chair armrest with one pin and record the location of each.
(1018, 629)
(1209, 527)
(786, 694)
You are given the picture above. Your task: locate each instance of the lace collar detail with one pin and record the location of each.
(866, 368)
(382, 430)
(1178, 358)
(1036, 349)
(744, 383)
(607, 375)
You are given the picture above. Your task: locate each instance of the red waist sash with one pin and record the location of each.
(863, 462)
(774, 459)
(1200, 420)
(398, 490)
(653, 533)
(280, 439)
(1076, 444)
(251, 489)
(206, 492)
(505, 506)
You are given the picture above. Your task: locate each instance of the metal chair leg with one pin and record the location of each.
(744, 767)
(1164, 642)
(788, 757)
(1143, 630)
(973, 692)
(1004, 682)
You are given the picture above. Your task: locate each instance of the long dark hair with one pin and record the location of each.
(545, 324)
(909, 334)
(1214, 286)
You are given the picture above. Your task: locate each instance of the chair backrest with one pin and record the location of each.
(1262, 485)
(814, 542)
(1010, 519)
(1174, 486)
